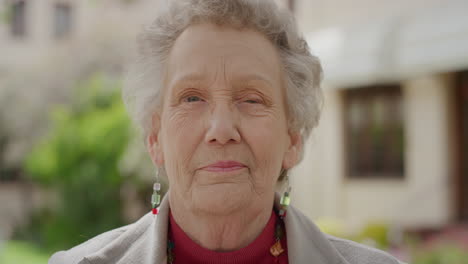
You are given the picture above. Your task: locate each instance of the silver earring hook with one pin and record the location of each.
(288, 185)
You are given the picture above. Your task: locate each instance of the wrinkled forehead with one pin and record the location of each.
(207, 52)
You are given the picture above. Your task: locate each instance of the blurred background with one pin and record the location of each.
(387, 166)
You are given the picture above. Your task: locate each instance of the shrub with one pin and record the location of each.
(79, 160)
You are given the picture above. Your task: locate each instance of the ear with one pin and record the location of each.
(291, 156)
(153, 141)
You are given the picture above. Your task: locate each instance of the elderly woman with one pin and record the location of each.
(226, 92)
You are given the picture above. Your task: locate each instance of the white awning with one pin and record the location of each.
(394, 48)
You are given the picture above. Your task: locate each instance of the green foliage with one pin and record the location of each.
(374, 233)
(377, 232)
(332, 227)
(16, 252)
(443, 254)
(79, 160)
(6, 15)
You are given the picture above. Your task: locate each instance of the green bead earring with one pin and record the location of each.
(285, 199)
(156, 197)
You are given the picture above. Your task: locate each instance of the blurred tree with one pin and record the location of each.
(79, 160)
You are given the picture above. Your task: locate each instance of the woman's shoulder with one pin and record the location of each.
(77, 254)
(325, 247)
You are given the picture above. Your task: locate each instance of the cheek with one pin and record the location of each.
(266, 139)
(182, 126)
(182, 134)
(254, 110)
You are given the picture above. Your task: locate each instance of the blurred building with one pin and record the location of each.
(33, 31)
(392, 144)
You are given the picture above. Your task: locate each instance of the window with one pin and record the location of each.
(374, 132)
(62, 20)
(18, 19)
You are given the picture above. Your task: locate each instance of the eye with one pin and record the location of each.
(193, 98)
(252, 101)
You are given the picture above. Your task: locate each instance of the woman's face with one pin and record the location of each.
(222, 133)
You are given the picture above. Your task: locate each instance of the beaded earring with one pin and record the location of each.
(156, 197)
(285, 200)
(277, 249)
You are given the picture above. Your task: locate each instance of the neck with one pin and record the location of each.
(221, 232)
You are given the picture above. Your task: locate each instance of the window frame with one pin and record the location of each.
(392, 92)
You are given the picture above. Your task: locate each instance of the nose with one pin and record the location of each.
(223, 126)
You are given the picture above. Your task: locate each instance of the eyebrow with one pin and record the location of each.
(255, 77)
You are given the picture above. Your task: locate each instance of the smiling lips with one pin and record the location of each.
(224, 166)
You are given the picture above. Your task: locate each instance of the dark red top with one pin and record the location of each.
(257, 252)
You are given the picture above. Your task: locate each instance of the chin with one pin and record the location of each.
(222, 198)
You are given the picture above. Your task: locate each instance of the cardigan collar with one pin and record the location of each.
(145, 241)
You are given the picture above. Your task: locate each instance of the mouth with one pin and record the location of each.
(224, 166)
